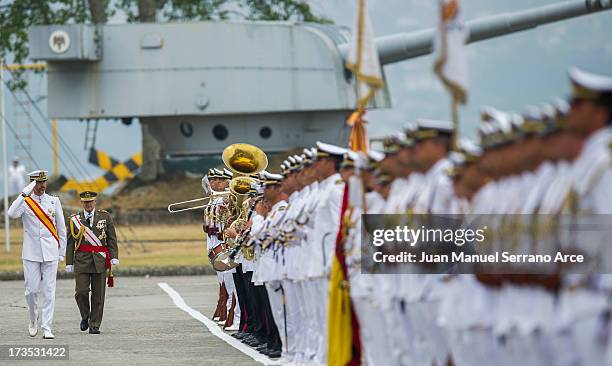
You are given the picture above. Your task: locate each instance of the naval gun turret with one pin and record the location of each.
(197, 87)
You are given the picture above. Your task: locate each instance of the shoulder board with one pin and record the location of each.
(53, 195)
(339, 181)
(103, 211)
(282, 208)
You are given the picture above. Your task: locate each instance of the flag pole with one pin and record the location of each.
(7, 229)
(455, 117)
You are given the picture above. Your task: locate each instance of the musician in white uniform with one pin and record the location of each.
(44, 245)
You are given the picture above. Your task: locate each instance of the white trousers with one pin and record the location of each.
(315, 316)
(302, 325)
(322, 289)
(292, 310)
(275, 295)
(40, 277)
(228, 280)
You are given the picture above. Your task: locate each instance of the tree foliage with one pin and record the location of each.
(16, 16)
(295, 10)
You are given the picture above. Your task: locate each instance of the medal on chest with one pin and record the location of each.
(101, 226)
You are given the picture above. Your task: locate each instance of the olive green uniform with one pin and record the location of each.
(90, 268)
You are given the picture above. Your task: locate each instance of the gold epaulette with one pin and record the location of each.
(339, 181)
(282, 208)
(103, 211)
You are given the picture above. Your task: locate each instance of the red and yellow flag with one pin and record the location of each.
(344, 344)
(42, 216)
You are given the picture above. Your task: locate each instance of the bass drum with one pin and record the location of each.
(222, 261)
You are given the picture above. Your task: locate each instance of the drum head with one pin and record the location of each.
(222, 261)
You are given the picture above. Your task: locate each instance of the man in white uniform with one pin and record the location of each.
(44, 245)
(17, 174)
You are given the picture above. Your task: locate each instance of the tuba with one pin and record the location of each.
(243, 160)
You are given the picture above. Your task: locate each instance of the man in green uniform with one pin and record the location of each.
(91, 251)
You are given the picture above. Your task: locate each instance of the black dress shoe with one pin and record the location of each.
(248, 338)
(94, 330)
(274, 354)
(253, 343)
(262, 347)
(240, 335)
(84, 324)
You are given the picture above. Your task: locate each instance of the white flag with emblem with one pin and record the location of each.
(363, 56)
(449, 46)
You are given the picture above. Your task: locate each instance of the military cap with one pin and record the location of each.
(486, 133)
(533, 120)
(427, 129)
(306, 161)
(211, 174)
(329, 150)
(470, 149)
(586, 85)
(390, 145)
(374, 159)
(383, 178)
(502, 131)
(87, 196)
(307, 158)
(297, 163)
(256, 189)
(227, 174)
(284, 167)
(349, 159)
(217, 173)
(292, 164)
(458, 161)
(38, 175)
(517, 130)
(408, 139)
(271, 179)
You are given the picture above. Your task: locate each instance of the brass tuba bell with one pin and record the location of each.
(244, 159)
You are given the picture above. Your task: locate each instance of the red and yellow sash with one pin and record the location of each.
(42, 216)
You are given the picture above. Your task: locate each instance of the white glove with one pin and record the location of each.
(61, 258)
(114, 261)
(69, 268)
(29, 188)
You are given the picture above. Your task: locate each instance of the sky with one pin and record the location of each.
(508, 73)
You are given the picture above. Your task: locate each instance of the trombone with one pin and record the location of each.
(172, 209)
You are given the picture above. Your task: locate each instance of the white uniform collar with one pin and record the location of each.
(293, 197)
(439, 167)
(332, 178)
(278, 204)
(596, 140)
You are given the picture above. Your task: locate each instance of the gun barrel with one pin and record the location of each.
(402, 46)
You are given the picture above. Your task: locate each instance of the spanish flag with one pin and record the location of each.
(344, 345)
(451, 64)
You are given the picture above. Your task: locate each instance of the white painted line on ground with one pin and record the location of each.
(214, 328)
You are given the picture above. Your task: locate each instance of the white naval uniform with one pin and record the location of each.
(226, 276)
(41, 253)
(310, 308)
(323, 241)
(272, 272)
(426, 343)
(592, 182)
(369, 293)
(293, 308)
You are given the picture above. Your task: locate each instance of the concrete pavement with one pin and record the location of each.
(141, 325)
